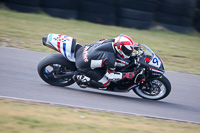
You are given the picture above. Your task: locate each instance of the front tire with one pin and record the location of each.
(54, 64)
(154, 90)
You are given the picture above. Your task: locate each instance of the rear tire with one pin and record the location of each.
(157, 93)
(54, 64)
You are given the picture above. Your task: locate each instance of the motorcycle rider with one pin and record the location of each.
(97, 61)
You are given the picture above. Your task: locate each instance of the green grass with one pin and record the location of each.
(179, 52)
(30, 117)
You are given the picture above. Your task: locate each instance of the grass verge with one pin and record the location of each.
(179, 52)
(31, 117)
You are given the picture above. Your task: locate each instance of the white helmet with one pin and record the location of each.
(124, 45)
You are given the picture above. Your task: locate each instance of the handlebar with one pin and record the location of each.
(136, 56)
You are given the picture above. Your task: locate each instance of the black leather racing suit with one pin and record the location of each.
(94, 60)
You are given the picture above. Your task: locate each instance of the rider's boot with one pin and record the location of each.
(81, 80)
(84, 81)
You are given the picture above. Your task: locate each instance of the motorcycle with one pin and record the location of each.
(149, 83)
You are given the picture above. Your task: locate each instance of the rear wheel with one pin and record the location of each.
(53, 65)
(154, 90)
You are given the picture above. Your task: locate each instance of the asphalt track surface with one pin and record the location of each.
(19, 79)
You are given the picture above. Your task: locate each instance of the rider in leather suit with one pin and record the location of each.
(97, 61)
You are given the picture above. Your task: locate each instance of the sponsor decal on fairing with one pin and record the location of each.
(63, 44)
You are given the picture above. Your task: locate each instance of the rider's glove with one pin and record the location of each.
(128, 75)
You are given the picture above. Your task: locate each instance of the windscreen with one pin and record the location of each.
(150, 57)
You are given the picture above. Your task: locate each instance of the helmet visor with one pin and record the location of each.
(126, 51)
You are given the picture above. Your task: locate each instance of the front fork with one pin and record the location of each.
(142, 79)
(142, 73)
(147, 85)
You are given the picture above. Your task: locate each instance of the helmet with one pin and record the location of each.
(124, 46)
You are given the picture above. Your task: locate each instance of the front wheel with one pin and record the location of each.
(154, 90)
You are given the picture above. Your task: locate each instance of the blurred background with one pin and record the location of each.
(171, 28)
(181, 16)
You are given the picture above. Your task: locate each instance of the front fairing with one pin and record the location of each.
(150, 59)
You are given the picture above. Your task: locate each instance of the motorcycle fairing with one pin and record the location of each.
(155, 61)
(64, 44)
(156, 70)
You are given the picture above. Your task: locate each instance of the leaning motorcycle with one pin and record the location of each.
(149, 83)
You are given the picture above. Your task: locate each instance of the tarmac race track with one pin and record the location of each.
(19, 79)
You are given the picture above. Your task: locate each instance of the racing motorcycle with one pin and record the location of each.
(149, 83)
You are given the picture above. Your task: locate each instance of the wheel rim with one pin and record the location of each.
(155, 90)
(50, 71)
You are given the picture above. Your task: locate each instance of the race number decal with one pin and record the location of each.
(155, 61)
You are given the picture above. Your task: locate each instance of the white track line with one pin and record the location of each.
(106, 110)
